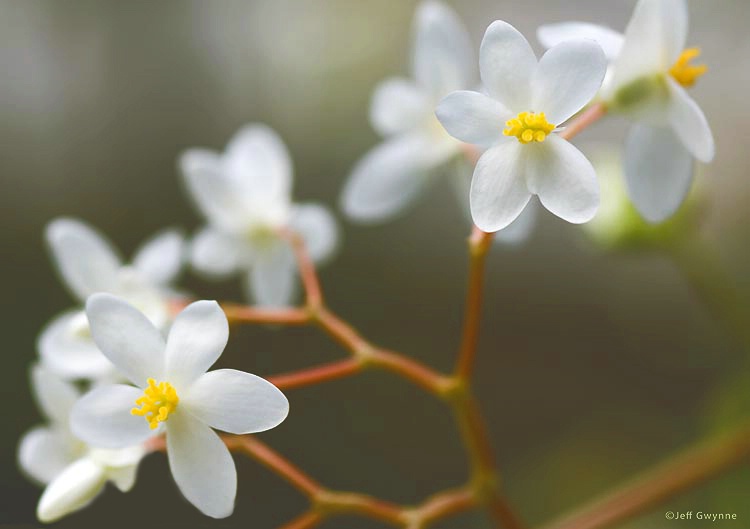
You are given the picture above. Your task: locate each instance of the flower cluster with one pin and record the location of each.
(128, 333)
(126, 366)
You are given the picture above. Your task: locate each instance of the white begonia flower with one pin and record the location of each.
(393, 174)
(88, 263)
(176, 395)
(647, 79)
(245, 194)
(527, 100)
(74, 473)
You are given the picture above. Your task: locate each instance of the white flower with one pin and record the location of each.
(74, 472)
(175, 394)
(528, 100)
(88, 263)
(647, 79)
(392, 175)
(245, 194)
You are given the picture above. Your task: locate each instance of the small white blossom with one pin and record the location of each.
(650, 72)
(245, 194)
(74, 473)
(88, 263)
(526, 103)
(392, 175)
(175, 395)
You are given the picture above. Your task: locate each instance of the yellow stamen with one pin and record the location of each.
(157, 402)
(685, 73)
(529, 127)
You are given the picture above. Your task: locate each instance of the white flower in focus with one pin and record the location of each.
(393, 174)
(74, 473)
(650, 72)
(176, 395)
(88, 263)
(245, 194)
(526, 103)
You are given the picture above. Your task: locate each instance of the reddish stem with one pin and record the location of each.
(479, 243)
(347, 336)
(332, 503)
(306, 268)
(237, 313)
(341, 331)
(428, 379)
(687, 469)
(445, 504)
(503, 513)
(307, 520)
(274, 461)
(317, 375)
(589, 116)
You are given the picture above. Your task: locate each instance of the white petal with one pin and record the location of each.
(215, 194)
(236, 402)
(66, 348)
(201, 465)
(118, 457)
(564, 179)
(102, 417)
(514, 234)
(126, 337)
(196, 340)
(390, 177)
(658, 171)
(259, 164)
(506, 63)
(43, 453)
(442, 50)
(690, 124)
(73, 489)
(473, 117)
(520, 229)
(85, 259)
(317, 227)
(568, 76)
(498, 188)
(611, 41)
(53, 395)
(273, 277)
(123, 477)
(218, 253)
(398, 105)
(160, 259)
(654, 38)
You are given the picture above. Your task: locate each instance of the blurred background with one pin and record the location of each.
(592, 364)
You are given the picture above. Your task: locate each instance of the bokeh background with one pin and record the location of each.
(593, 365)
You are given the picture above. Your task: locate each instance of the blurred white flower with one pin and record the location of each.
(531, 99)
(245, 194)
(393, 174)
(175, 394)
(74, 473)
(88, 263)
(647, 80)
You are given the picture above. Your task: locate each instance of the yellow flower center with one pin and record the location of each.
(685, 73)
(528, 127)
(157, 402)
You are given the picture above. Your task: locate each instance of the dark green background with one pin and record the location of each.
(591, 366)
